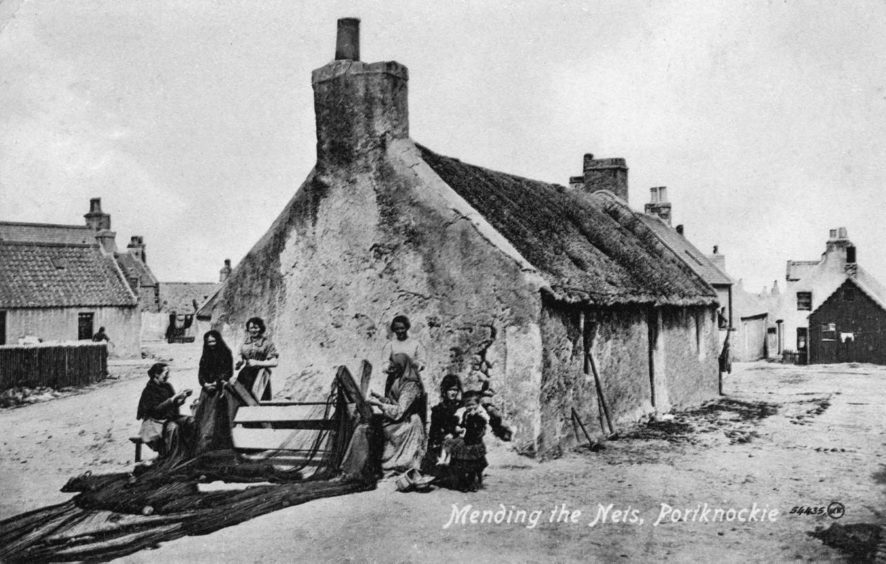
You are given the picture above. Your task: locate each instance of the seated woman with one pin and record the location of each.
(164, 429)
(403, 412)
(256, 353)
(216, 407)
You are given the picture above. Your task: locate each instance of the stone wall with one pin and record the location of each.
(384, 236)
(619, 345)
(691, 367)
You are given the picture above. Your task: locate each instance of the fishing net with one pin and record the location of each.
(118, 514)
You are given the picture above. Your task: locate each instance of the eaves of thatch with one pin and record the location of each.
(590, 248)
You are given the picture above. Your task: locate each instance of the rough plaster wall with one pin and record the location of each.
(360, 244)
(620, 351)
(689, 335)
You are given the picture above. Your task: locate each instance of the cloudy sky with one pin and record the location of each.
(193, 120)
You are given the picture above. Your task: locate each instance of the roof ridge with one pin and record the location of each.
(53, 225)
(47, 244)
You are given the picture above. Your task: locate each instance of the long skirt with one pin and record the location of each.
(215, 412)
(177, 443)
(405, 444)
(247, 377)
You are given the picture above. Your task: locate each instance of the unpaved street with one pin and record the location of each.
(783, 437)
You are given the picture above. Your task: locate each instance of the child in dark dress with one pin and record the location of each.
(468, 452)
(443, 425)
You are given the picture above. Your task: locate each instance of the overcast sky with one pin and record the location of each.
(193, 120)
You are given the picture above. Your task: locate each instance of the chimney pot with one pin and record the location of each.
(95, 205)
(347, 41)
(680, 229)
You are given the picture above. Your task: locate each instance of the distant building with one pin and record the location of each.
(96, 230)
(658, 219)
(65, 292)
(832, 310)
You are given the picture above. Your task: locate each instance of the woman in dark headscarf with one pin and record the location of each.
(404, 409)
(215, 407)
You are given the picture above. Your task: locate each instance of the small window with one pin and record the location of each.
(828, 331)
(804, 301)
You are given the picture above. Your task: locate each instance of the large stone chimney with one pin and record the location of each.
(96, 219)
(136, 248)
(225, 271)
(360, 107)
(602, 174)
(658, 203)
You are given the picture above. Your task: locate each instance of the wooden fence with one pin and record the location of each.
(52, 365)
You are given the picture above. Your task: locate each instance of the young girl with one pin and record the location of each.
(467, 453)
(443, 423)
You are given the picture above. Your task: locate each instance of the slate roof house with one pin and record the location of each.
(96, 230)
(63, 282)
(65, 292)
(832, 309)
(532, 283)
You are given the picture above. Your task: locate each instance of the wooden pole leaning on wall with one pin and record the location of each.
(586, 326)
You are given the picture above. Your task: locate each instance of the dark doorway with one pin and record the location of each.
(802, 345)
(84, 326)
(2, 327)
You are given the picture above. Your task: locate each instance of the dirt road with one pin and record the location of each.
(785, 437)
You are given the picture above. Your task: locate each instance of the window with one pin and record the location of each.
(828, 331)
(2, 327)
(848, 294)
(804, 301)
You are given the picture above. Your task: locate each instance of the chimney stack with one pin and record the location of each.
(718, 259)
(658, 203)
(359, 107)
(347, 41)
(136, 248)
(96, 219)
(225, 271)
(838, 241)
(605, 174)
(108, 241)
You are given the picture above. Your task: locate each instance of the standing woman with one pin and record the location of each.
(403, 412)
(214, 410)
(256, 353)
(403, 344)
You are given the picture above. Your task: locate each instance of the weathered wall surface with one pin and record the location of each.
(689, 338)
(359, 244)
(619, 347)
(122, 325)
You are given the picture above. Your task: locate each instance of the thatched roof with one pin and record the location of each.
(590, 248)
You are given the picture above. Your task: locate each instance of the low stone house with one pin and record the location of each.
(526, 282)
(65, 292)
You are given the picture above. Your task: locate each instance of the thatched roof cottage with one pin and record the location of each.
(521, 280)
